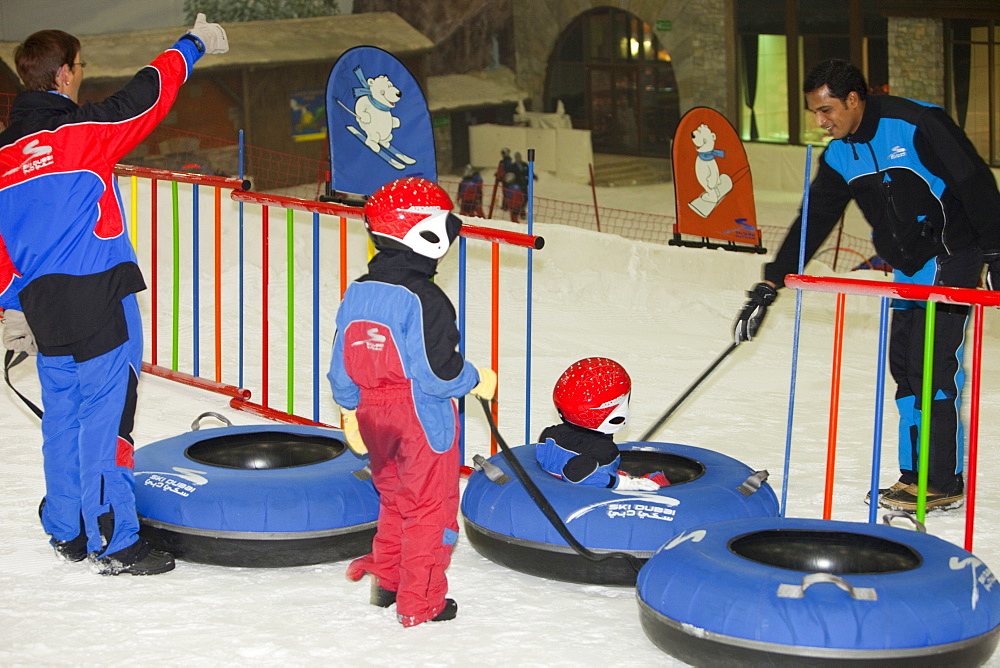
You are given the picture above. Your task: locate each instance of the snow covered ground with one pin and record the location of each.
(663, 312)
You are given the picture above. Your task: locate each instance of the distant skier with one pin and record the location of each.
(470, 192)
(501, 176)
(592, 398)
(395, 373)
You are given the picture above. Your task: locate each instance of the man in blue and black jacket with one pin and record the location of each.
(934, 210)
(66, 262)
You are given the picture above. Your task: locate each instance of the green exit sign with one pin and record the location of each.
(664, 26)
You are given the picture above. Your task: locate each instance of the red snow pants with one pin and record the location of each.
(418, 514)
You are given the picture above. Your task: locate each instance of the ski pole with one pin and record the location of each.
(663, 418)
(543, 504)
(11, 360)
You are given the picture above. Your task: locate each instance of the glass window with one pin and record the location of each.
(877, 59)
(810, 31)
(600, 38)
(765, 106)
(973, 97)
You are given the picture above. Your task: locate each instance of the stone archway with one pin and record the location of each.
(614, 78)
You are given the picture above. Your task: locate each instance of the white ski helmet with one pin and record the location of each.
(412, 213)
(593, 393)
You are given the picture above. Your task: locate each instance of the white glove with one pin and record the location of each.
(349, 423)
(627, 483)
(211, 35)
(487, 387)
(17, 335)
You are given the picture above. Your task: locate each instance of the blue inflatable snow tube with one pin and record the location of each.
(505, 525)
(792, 592)
(256, 496)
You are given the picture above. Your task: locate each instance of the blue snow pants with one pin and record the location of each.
(87, 442)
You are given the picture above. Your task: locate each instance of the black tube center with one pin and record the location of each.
(677, 468)
(836, 552)
(264, 450)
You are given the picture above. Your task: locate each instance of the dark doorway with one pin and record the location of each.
(615, 79)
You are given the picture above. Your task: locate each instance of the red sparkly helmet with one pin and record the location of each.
(594, 393)
(414, 214)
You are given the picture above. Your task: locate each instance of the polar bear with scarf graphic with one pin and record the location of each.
(716, 185)
(376, 98)
(374, 111)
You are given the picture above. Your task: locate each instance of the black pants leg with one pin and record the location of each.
(906, 353)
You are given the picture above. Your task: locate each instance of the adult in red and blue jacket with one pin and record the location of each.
(67, 263)
(934, 210)
(396, 370)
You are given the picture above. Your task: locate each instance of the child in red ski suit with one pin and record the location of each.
(395, 373)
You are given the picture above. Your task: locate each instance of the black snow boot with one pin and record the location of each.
(137, 559)
(381, 596)
(448, 612)
(71, 550)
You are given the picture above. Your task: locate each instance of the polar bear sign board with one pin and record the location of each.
(712, 184)
(378, 124)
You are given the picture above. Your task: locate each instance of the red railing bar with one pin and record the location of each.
(184, 177)
(334, 209)
(238, 393)
(297, 204)
(272, 414)
(502, 236)
(934, 293)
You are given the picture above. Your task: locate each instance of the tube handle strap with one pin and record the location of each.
(196, 425)
(492, 471)
(799, 590)
(752, 483)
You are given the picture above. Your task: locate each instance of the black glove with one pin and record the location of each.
(992, 260)
(750, 317)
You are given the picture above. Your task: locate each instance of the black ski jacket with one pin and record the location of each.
(916, 178)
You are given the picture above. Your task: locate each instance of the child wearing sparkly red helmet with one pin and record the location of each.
(395, 373)
(592, 398)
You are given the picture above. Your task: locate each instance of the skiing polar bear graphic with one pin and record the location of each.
(716, 185)
(374, 112)
(376, 98)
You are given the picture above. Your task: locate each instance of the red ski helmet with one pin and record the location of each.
(412, 213)
(593, 393)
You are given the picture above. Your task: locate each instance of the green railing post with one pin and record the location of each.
(925, 410)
